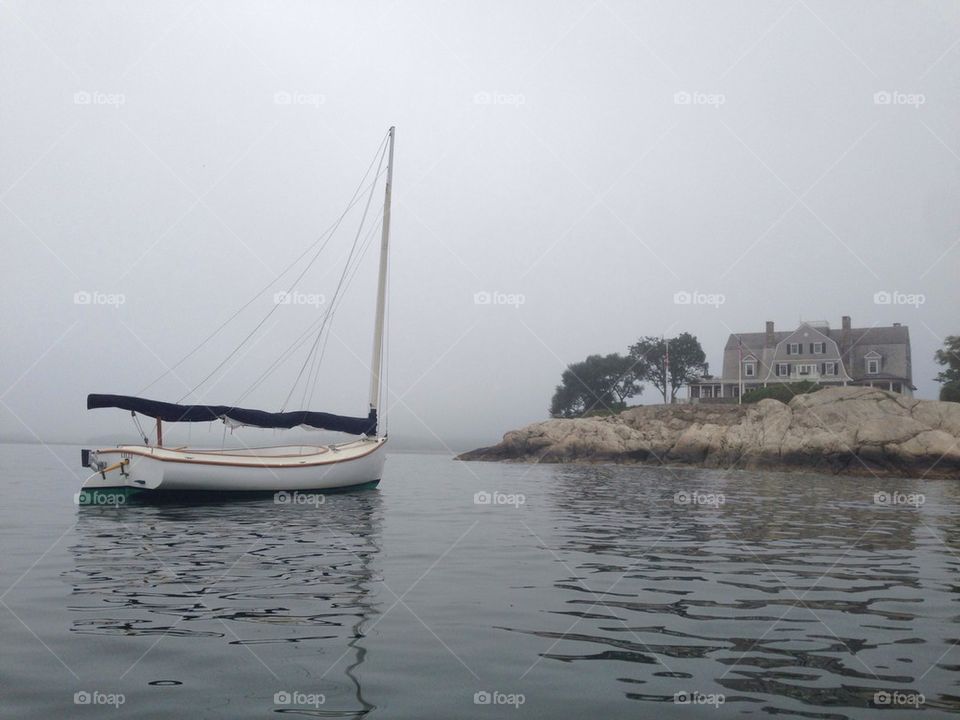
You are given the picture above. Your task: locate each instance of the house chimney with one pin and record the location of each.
(770, 342)
(846, 322)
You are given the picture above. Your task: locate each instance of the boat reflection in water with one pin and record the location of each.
(236, 600)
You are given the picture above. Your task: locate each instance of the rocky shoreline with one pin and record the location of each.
(851, 431)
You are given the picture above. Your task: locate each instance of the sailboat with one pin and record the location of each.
(153, 470)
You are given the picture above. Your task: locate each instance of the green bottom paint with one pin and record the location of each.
(118, 496)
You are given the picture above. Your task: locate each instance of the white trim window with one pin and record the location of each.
(749, 369)
(873, 366)
(819, 348)
(793, 348)
(829, 368)
(806, 369)
(783, 369)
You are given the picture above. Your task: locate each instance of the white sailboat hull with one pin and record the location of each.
(152, 470)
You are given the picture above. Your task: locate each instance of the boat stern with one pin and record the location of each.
(117, 476)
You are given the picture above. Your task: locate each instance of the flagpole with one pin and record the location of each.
(666, 367)
(740, 369)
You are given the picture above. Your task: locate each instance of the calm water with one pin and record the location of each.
(599, 596)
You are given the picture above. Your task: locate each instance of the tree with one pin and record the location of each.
(651, 351)
(601, 382)
(950, 392)
(949, 356)
(686, 362)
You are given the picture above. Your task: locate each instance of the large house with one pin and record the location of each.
(872, 356)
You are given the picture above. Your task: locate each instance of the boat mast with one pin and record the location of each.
(381, 286)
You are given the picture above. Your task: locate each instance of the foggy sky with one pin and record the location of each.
(586, 160)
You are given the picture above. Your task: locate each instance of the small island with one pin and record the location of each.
(843, 430)
(819, 426)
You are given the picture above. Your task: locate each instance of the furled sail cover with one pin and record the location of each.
(171, 412)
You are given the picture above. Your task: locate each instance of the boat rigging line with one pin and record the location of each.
(323, 238)
(343, 275)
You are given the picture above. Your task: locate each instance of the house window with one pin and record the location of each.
(793, 349)
(749, 369)
(830, 368)
(818, 348)
(873, 366)
(805, 369)
(783, 369)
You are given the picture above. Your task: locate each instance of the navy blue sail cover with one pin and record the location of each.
(171, 412)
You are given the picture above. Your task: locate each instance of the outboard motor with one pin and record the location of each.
(89, 459)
